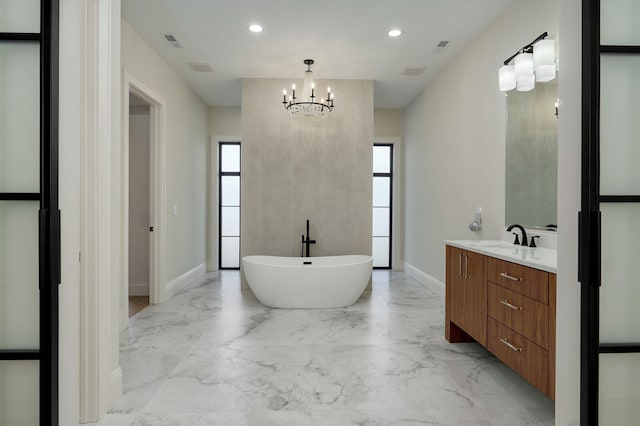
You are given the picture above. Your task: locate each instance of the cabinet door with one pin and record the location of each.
(466, 297)
(474, 297)
(454, 294)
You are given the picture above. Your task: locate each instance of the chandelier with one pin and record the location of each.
(307, 105)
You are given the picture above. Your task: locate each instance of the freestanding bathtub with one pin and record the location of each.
(307, 282)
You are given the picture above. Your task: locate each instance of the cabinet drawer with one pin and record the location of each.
(523, 356)
(531, 282)
(519, 313)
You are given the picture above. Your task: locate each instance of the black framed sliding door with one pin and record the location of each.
(610, 214)
(29, 215)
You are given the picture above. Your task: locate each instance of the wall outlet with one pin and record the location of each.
(175, 210)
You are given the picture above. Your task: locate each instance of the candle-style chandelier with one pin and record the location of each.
(307, 105)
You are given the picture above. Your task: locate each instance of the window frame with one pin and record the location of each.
(222, 174)
(388, 175)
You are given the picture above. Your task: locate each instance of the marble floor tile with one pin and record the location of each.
(213, 355)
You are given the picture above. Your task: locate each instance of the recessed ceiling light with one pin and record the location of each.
(395, 32)
(255, 28)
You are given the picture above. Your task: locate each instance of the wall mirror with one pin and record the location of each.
(531, 157)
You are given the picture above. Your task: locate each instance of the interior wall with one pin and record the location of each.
(454, 141)
(295, 168)
(186, 152)
(225, 121)
(569, 148)
(388, 123)
(139, 200)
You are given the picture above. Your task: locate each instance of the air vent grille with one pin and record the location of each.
(440, 46)
(413, 72)
(200, 67)
(173, 42)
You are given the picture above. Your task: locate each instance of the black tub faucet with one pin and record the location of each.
(306, 241)
(524, 242)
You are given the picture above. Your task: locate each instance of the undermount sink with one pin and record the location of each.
(495, 244)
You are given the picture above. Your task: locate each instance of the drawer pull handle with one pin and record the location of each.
(513, 348)
(509, 305)
(509, 277)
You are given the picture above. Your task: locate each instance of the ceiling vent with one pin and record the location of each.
(440, 46)
(200, 67)
(173, 42)
(414, 72)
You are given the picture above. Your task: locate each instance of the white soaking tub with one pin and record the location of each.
(307, 282)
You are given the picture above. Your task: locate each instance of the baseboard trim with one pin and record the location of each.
(138, 289)
(424, 279)
(177, 284)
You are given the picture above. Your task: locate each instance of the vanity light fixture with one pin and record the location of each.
(307, 104)
(533, 63)
(525, 80)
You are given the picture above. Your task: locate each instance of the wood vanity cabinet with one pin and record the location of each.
(466, 319)
(519, 305)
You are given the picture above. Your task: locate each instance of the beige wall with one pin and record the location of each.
(186, 152)
(139, 220)
(224, 121)
(294, 168)
(454, 141)
(388, 123)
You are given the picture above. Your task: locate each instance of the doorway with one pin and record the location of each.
(139, 203)
(143, 181)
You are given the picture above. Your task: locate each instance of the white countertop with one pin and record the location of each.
(537, 257)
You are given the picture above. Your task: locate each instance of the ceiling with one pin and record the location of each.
(347, 39)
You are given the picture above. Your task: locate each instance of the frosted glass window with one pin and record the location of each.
(381, 221)
(19, 390)
(619, 390)
(19, 293)
(230, 190)
(620, 291)
(230, 222)
(381, 191)
(380, 252)
(619, 22)
(381, 159)
(19, 117)
(619, 125)
(230, 158)
(19, 16)
(230, 252)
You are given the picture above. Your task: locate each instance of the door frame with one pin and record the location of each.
(157, 188)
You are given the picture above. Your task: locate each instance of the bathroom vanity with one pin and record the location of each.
(503, 296)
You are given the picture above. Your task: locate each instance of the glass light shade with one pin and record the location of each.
(506, 78)
(526, 84)
(524, 66)
(544, 60)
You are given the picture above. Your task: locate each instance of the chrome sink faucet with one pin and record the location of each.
(525, 242)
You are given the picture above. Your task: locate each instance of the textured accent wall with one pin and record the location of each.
(296, 168)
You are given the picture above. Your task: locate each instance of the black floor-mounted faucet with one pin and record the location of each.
(307, 241)
(524, 234)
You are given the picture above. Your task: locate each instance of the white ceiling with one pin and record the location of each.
(347, 39)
